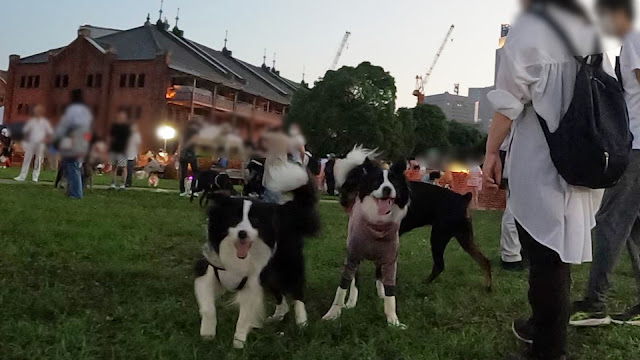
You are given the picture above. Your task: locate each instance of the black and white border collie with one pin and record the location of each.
(376, 200)
(253, 247)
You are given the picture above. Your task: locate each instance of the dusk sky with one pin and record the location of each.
(402, 36)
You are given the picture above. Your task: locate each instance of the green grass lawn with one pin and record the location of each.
(50, 176)
(110, 277)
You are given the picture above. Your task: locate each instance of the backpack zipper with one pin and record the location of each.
(606, 161)
(598, 80)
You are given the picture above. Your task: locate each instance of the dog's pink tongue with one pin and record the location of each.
(384, 206)
(242, 249)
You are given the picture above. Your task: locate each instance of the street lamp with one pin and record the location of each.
(166, 132)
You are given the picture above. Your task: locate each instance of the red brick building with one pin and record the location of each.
(156, 75)
(3, 87)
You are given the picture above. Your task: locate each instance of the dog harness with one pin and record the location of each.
(216, 269)
(206, 252)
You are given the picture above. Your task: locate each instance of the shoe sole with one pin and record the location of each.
(620, 322)
(515, 333)
(591, 322)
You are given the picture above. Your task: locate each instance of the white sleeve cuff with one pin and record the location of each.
(505, 103)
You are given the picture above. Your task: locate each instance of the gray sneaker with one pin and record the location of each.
(584, 314)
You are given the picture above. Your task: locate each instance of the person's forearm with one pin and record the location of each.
(498, 131)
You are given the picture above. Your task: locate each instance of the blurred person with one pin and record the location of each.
(187, 152)
(329, 175)
(474, 181)
(118, 141)
(133, 149)
(297, 145)
(536, 77)
(6, 148)
(72, 136)
(37, 131)
(617, 221)
(276, 145)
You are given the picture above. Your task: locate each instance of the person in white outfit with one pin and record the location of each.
(536, 77)
(38, 130)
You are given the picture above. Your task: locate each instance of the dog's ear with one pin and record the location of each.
(368, 166)
(219, 197)
(399, 167)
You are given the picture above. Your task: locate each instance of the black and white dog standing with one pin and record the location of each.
(208, 182)
(376, 200)
(253, 247)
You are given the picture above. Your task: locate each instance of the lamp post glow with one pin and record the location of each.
(165, 133)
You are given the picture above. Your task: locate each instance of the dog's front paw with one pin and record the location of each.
(207, 331)
(238, 344)
(333, 313)
(353, 299)
(394, 321)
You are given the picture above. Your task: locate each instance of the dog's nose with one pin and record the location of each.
(386, 191)
(242, 235)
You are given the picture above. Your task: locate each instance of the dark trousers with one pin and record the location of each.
(130, 166)
(549, 287)
(331, 183)
(59, 175)
(617, 227)
(184, 162)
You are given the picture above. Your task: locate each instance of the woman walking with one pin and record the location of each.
(554, 219)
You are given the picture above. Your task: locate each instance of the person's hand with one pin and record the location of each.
(492, 170)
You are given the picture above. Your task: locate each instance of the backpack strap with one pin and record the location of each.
(541, 12)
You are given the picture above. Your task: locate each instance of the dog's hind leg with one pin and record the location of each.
(466, 240)
(282, 308)
(439, 240)
(205, 289)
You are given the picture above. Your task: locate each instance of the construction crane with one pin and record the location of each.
(343, 44)
(421, 81)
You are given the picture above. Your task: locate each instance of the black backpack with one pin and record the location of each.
(591, 147)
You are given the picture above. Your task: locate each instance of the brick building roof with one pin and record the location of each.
(187, 56)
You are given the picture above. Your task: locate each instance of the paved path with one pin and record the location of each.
(105, 187)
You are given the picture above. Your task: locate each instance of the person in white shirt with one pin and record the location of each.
(618, 220)
(536, 77)
(38, 130)
(297, 145)
(133, 149)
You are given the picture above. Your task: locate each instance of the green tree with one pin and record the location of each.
(431, 128)
(349, 106)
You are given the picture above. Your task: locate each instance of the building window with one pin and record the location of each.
(123, 80)
(132, 80)
(90, 80)
(29, 82)
(140, 80)
(58, 81)
(20, 106)
(98, 80)
(36, 81)
(65, 81)
(23, 81)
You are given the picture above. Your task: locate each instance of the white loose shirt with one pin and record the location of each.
(537, 74)
(132, 146)
(37, 129)
(629, 62)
